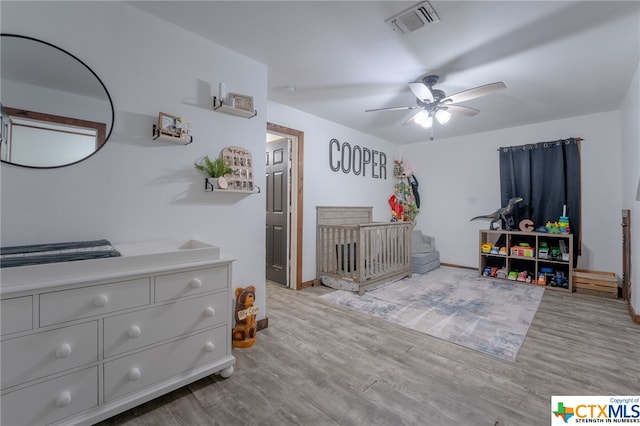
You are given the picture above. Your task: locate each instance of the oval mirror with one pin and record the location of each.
(55, 110)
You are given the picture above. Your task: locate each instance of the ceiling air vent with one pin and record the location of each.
(413, 18)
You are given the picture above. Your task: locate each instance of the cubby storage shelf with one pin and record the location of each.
(532, 263)
(219, 106)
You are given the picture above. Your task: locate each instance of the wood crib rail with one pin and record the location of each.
(365, 253)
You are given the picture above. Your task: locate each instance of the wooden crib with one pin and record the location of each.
(353, 252)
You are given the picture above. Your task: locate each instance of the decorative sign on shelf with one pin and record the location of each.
(526, 225)
(240, 160)
(356, 160)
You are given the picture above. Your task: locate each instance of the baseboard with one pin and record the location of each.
(306, 284)
(263, 323)
(634, 316)
(451, 265)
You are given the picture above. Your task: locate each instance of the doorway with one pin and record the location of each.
(284, 201)
(278, 209)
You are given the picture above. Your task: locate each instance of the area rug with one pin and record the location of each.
(455, 305)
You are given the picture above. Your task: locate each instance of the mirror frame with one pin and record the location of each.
(110, 129)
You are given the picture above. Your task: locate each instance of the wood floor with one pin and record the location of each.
(322, 364)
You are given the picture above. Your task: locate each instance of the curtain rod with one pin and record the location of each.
(508, 147)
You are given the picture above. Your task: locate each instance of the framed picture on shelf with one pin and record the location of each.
(242, 102)
(168, 124)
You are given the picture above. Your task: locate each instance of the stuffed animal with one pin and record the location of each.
(245, 330)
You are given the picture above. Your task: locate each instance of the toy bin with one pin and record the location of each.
(598, 283)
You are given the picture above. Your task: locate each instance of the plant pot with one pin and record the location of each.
(217, 183)
(211, 184)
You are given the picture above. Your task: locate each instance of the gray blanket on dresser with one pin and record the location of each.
(56, 252)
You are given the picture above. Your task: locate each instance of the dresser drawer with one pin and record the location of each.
(137, 329)
(52, 400)
(136, 371)
(16, 314)
(174, 286)
(41, 354)
(69, 305)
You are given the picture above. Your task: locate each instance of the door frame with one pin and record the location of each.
(297, 163)
(626, 255)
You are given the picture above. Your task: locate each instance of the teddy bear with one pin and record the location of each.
(244, 332)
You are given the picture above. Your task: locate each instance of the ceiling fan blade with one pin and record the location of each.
(476, 92)
(390, 108)
(421, 91)
(462, 110)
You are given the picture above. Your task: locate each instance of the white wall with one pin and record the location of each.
(459, 179)
(324, 187)
(631, 177)
(137, 189)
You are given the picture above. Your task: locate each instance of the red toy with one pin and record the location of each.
(396, 208)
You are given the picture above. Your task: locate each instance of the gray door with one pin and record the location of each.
(277, 170)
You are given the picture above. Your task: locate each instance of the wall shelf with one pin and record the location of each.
(157, 135)
(211, 187)
(218, 105)
(235, 191)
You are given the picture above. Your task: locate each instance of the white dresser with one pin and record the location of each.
(85, 340)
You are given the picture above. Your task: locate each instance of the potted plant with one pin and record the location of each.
(215, 170)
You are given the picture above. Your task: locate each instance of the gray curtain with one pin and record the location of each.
(547, 176)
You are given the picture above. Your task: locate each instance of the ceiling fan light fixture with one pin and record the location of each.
(443, 116)
(424, 119)
(435, 104)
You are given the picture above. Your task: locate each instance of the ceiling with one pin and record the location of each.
(335, 59)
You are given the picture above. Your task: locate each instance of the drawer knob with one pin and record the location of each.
(209, 347)
(134, 331)
(134, 374)
(210, 312)
(63, 351)
(195, 283)
(101, 301)
(63, 399)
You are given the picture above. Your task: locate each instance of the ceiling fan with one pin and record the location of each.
(433, 103)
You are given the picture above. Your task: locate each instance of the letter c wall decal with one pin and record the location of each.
(333, 142)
